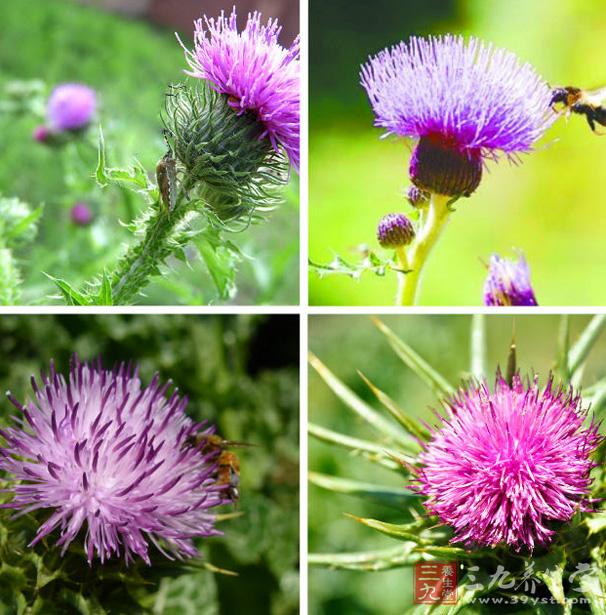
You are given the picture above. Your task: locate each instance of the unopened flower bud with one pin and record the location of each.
(395, 230)
(81, 214)
(416, 197)
(41, 134)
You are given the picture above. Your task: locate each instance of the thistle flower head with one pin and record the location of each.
(504, 465)
(508, 283)
(71, 106)
(81, 214)
(464, 101)
(112, 459)
(395, 230)
(254, 71)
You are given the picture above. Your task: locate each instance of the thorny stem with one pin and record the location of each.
(134, 269)
(431, 225)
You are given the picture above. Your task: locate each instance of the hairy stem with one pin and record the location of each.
(402, 260)
(428, 234)
(142, 260)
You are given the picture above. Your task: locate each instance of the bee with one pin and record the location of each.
(589, 103)
(166, 176)
(228, 463)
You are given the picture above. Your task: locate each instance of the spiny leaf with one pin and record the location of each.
(370, 262)
(578, 353)
(100, 176)
(105, 292)
(350, 399)
(71, 295)
(25, 224)
(221, 258)
(390, 496)
(593, 586)
(410, 425)
(478, 346)
(437, 382)
(369, 450)
(371, 561)
(406, 531)
(550, 569)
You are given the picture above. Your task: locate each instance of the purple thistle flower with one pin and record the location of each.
(81, 214)
(508, 283)
(71, 106)
(464, 101)
(114, 460)
(41, 134)
(255, 71)
(504, 465)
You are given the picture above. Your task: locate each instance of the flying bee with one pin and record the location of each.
(166, 176)
(228, 463)
(590, 103)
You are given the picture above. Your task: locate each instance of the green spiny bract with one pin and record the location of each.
(569, 571)
(225, 161)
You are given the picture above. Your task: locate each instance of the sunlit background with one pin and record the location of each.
(127, 51)
(352, 343)
(551, 207)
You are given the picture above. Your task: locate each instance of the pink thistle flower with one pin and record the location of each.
(255, 71)
(504, 465)
(71, 106)
(114, 460)
(81, 214)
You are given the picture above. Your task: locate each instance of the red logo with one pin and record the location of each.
(436, 582)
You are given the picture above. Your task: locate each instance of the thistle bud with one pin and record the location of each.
(41, 134)
(440, 167)
(394, 231)
(416, 197)
(81, 214)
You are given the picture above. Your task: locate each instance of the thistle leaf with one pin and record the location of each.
(390, 496)
(361, 408)
(439, 385)
(70, 294)
(105, 292)
(370, 262)
(478, 346)
(593, 586)
(370, 561)
(563, 347)
(413, 427)
(550, 569)
(368, 450)
(578, 353)
(406, 531)
(100, 175)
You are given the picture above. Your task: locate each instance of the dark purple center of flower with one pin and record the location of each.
(439, 165)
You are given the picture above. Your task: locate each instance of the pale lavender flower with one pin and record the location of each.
(256, 73)
(508, 283)
(81, 214)
(113, 460)
(464, 101)
(71, 106)
(504, 465)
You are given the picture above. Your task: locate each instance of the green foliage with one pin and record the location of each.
(578, 545)
(235, 378)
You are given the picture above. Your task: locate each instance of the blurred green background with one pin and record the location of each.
(130, 63)
(240, 373)
(550, 206)
(348, 344)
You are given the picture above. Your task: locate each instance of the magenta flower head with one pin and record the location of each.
(463, 101)
(81, 214)
(257, 74)
(41, 134)
(504, 465)
(508, 282)
(71, 106)
(114, 460)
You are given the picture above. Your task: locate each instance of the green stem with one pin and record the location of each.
(402, 260)
(142, 260)
(428, 234)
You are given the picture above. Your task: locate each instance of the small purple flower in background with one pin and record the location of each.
(41, 134)
(394, 231)
(71, 106)
(114, 459)
(508, 283)
(503, 465)
(255, 71)
(81, 214)
(464, 101)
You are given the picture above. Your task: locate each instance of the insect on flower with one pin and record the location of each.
(590, 103)
(228, 462)
(166, 176)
